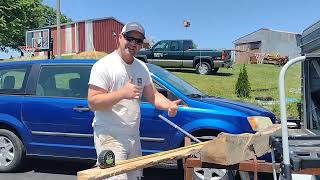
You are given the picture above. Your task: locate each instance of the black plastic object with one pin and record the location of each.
(304, 151)
(106, 159)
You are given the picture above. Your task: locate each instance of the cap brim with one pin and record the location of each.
(129, 32)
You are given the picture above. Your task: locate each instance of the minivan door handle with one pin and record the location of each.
(81, 109)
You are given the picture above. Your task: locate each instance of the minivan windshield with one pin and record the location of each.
(175, 81)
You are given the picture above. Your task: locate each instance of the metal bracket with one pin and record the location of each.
(285, 171)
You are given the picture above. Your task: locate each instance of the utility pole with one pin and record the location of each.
(58, 29)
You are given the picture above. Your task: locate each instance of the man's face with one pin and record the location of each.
(131, 42)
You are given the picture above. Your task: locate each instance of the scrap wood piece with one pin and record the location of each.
(139, 163)
(228, 149)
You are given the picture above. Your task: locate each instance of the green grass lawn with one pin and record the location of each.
(263, 79)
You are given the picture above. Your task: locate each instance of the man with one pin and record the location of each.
(116, 84)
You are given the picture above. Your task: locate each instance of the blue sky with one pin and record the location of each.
(214, 23)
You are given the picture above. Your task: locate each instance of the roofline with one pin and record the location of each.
(310, 28)
(248, 34)
(267, 29)
(74, 22)
(284, 31)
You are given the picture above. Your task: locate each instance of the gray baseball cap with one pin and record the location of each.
(133, 26)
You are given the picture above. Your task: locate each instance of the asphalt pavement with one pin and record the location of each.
(36, 169)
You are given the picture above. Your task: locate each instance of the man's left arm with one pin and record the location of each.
(159, 101)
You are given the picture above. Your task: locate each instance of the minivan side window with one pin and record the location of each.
(63, 81)
(166, 93)
(13, 79)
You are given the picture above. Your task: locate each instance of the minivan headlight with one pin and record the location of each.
(258, 123)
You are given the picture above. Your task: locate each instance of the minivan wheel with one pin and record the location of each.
(203, 68)
(12, 151)
(208, 173)
(211, 173)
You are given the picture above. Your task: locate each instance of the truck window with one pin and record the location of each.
(188, 45)
(174, 46)
(162, 46)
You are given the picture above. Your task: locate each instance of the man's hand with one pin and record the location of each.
(172, 110)
(130, 91)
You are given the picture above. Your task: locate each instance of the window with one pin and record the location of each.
(13, 80)
(188, 45)
(255, 45)
(166, 93)
(177, 83)
(162, 46)
(174, 46)
(63, 81)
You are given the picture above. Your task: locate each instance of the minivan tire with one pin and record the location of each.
(12, 151)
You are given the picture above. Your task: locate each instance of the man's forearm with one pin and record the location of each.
(105, 100)
(161, 102)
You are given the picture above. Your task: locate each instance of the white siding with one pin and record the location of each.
(88, 36)
(68, 40)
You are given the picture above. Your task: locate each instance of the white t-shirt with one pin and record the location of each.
(111, 73)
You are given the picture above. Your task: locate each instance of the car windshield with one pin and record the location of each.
(175, 81)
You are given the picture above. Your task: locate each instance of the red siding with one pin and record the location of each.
(54, 37)
(63, 39)
(81, 36)
(103, 38)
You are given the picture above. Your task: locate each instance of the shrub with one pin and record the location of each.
(243, 85)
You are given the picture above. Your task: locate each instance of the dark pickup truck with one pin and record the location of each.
(183, 54)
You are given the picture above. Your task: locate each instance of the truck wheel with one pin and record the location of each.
(215, 70)
(203, 68)
(12, 151)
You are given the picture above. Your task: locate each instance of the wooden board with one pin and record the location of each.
(228, 149)
(138, 163)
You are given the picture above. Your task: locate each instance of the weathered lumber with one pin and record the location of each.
(228, 149)
(138, 163)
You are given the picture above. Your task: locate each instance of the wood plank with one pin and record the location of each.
(228, 149)
(138, 163)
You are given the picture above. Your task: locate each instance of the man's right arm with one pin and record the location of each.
(100, 99)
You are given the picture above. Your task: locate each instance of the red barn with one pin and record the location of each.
(88, 35)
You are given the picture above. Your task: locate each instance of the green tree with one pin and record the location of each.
(17, 16)
(243, 87)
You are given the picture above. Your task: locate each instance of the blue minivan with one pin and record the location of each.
(44, 112)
